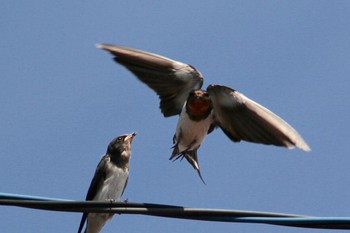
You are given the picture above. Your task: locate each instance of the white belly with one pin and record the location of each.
(190, 134)
(114, 184)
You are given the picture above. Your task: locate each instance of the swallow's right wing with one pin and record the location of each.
(170, 79)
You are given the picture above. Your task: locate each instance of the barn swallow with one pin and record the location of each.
(178, 86)
(109, 181)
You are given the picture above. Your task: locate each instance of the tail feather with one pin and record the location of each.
(82, 222)
(175, 153)
(190, 156)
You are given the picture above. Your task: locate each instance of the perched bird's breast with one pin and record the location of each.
(114, 183)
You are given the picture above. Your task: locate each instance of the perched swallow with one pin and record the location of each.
(178, 86)
(109, 181)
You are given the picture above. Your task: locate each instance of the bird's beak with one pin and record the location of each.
(130, 137)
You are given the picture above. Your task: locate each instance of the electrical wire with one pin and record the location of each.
(171, 211)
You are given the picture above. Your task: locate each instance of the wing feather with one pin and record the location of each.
(243, 119)
(170, 79)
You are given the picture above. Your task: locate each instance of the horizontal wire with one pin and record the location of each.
(171, 211)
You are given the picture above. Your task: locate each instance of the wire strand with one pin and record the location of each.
(172, 211)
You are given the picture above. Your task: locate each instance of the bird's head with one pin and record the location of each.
(121, 144)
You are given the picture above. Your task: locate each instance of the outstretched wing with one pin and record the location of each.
(170, 79)
(243, 119)
(96, 183)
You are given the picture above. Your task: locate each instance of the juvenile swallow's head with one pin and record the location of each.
(199, 105)
(121, 145)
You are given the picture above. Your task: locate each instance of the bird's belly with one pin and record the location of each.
(96, 221)
(190, 134)
(113, 186)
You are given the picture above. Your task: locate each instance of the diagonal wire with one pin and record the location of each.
(171, 211)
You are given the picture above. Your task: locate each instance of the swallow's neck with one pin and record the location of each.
(198, 112)
(121, 160)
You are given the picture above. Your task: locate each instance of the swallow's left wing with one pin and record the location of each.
(96, 183)
(126, 183)
(243, 119)
(171, 80)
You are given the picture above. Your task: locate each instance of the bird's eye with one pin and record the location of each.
(119, 139)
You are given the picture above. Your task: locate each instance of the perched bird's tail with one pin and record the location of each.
(190, 156)
(82, 222)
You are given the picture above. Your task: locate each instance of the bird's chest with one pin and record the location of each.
(113, 184)
(191, 133)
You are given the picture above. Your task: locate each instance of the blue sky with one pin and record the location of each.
(62, 100)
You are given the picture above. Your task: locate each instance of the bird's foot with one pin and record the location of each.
(111, 200)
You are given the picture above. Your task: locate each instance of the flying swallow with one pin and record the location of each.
(178, 86)
(109, 181)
